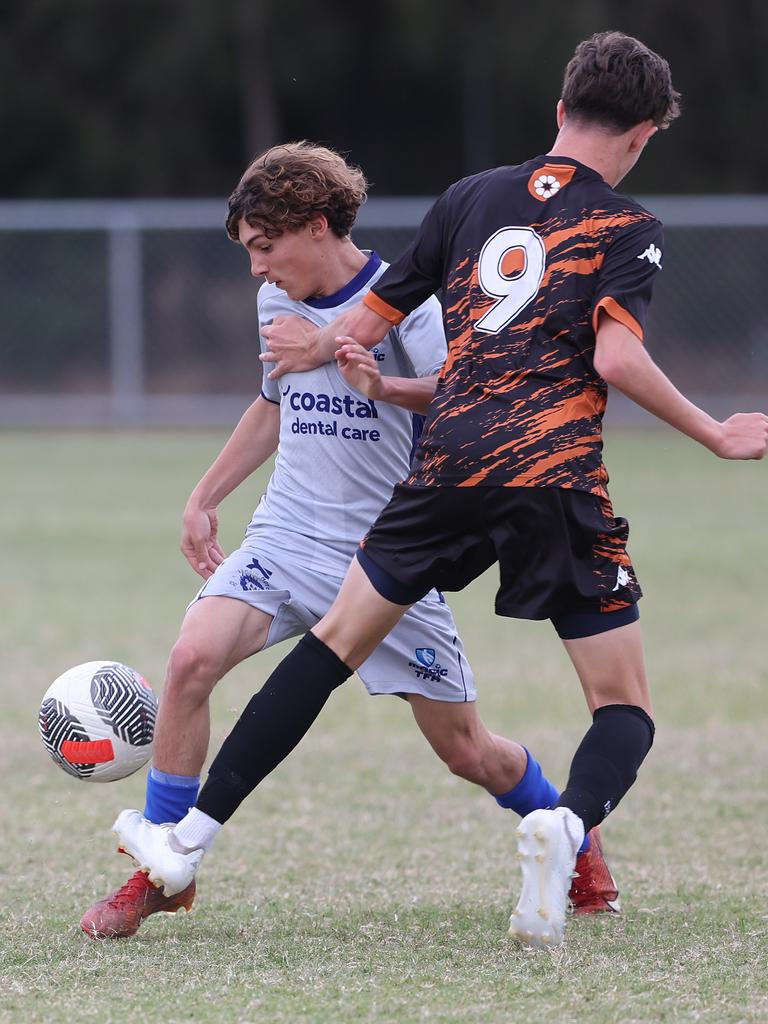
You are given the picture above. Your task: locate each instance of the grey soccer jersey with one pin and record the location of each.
(338, 459)
(340, 454)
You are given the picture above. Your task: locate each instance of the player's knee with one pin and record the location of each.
(192, 673)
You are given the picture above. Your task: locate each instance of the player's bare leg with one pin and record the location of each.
(359, 618)
(611, 668)
(461, 740)
(217, 634)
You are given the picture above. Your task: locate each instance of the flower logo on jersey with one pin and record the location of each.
(426, 656)
(652, 254)
(546, 185)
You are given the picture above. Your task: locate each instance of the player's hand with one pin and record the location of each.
(358, 368)
(199, 543)
(743, 436)
(292, 342)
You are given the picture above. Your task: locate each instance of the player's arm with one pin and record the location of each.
(296, 345)
(251, 443)
(359, 369)
(622, 361)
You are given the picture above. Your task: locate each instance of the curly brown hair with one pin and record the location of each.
(615, 81)
(284, 186)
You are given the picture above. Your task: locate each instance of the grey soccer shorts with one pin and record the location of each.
(423, 654)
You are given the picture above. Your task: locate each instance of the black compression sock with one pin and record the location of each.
(606, 763)
(273, 723)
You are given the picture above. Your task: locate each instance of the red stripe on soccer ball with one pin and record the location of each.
(87, 752)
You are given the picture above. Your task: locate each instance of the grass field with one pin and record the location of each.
(363, 882)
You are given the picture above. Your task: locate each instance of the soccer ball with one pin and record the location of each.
(97, 721)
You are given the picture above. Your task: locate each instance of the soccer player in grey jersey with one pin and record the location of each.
(344, 434)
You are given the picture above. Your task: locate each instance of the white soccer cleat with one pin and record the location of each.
(150, 848)
(548, 841)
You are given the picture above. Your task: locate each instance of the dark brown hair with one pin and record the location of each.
(284, 186)
(616, 82)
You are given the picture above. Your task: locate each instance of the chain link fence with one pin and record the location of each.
(139, 313)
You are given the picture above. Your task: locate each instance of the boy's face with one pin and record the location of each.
(290, 260)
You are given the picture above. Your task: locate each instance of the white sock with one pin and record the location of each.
(574, 826)
(196, 831)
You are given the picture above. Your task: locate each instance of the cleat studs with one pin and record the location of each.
(542, 912)
(539, 858)
(541, 836)
(520, 855)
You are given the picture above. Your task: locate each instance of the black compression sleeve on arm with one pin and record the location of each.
(273, 723)
(607, 761)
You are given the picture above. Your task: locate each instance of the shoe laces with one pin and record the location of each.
(131, 892)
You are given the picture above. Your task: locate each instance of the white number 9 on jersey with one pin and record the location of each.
(510, 269)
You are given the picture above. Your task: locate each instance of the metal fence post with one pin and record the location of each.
(126, 322)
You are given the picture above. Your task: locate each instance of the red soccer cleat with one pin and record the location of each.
(593, 890)
(120, 915)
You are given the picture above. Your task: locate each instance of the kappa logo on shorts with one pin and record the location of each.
(623, 578)
(253, 577)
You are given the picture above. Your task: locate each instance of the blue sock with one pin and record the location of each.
(533, 791)
(169, 797)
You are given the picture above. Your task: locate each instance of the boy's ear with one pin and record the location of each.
(317, 225)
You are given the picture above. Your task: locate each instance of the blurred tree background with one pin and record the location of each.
(171, 97)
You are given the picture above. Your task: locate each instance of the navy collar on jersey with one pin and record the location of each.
(361, 278)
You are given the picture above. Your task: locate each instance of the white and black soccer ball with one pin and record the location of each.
(97, 721)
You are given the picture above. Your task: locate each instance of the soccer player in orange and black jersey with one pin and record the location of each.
(546, 275)
(519, 403)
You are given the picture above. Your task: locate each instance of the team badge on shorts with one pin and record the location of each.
(426, 666)
(252, 577)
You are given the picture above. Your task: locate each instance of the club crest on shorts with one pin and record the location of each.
(252, 577)
(426, 656)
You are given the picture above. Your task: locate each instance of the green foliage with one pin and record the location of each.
(172, 98)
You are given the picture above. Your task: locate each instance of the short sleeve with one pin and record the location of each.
(423, 337)
(270, 306)
(625, 280)
(418, 272)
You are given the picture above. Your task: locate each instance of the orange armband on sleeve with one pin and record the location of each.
(383, 309)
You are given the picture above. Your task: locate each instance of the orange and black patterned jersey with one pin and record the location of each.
(526, 258)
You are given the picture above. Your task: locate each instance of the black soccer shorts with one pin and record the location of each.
(562, 554)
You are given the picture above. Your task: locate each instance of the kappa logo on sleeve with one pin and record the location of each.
(652, 254)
